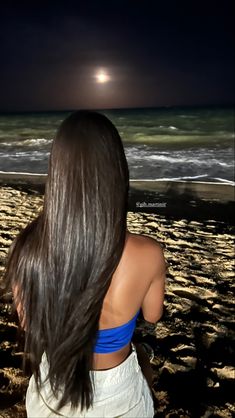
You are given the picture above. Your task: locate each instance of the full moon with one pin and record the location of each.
(102, 77)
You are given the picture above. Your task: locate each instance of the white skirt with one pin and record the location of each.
(118, 392)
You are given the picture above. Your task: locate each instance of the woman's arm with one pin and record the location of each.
(152, 305)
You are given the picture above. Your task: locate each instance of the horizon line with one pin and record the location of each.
(230, 105)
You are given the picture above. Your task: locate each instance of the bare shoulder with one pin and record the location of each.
(142, 264)
(145, 243)
(147, 252)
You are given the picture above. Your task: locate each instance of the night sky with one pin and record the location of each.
(114, 54)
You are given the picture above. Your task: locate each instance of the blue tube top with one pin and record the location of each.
(113, 339)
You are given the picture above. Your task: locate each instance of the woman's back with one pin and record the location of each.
(136, 283)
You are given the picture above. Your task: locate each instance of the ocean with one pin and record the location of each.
(195, 144)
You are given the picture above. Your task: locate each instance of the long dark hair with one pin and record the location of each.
(61, 264)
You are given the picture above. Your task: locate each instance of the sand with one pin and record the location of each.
(194, 350)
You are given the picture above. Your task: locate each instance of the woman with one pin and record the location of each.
(79, 280)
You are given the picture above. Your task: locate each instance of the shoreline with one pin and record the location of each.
(173, 199)
(204, 190)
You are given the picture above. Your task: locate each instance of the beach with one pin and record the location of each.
(193, 343)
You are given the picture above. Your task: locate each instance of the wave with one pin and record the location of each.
(30, 154)
(193, 179)
(225, 181)
(199, 157)
(161, 135)
(178, 139)
(197, 161)
(27, 142)
(168, 127)
(190, 178)
(21, 173)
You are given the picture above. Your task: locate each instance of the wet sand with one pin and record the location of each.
(180, 199)
(194, 343)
